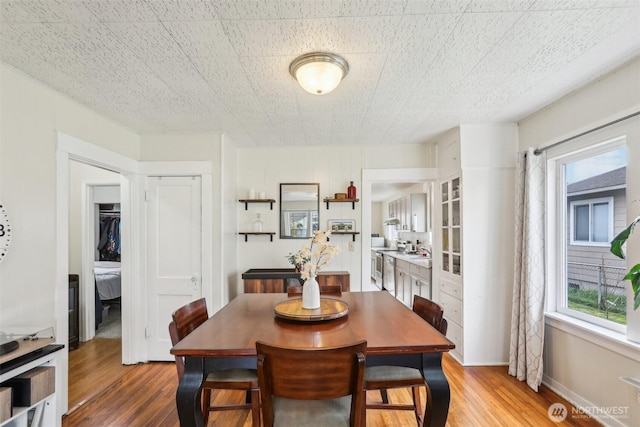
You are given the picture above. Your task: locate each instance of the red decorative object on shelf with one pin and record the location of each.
(351, 191)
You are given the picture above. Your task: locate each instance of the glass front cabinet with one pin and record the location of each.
(451, 226)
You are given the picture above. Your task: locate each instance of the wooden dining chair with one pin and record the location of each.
(334, 290)
(386, 377)
(312, 387)
(185, 320)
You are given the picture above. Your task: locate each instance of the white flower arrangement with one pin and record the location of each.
(317, 254)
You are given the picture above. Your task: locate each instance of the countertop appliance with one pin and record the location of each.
(377, 242)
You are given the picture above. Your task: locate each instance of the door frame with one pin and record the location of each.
(87, 323)
(370, 176)
(132, 191)
(204, 170)
(72, 148)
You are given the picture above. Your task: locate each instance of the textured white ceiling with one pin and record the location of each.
(418, 68)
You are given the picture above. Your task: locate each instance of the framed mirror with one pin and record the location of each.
(299, 210)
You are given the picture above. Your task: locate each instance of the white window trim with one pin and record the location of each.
(557, 241)
(591, 202)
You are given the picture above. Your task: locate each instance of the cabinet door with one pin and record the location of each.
(399, 284)
(263, 286)
(424, 288)
(451, 227)
(407, 294)
(406, 213)
(418, 217)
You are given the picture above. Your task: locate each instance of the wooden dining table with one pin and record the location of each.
(395, 335)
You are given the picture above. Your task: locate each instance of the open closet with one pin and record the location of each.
(106, 268)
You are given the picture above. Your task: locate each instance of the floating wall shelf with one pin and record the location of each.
(246, 234)
(327, 200)
(352, 233)
(247, 201)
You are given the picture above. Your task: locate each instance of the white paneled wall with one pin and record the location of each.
(332, 167)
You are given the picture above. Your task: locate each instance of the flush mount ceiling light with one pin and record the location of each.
(319, 73)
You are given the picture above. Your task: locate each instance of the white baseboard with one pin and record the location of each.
(580, 402)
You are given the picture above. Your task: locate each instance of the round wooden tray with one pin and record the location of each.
(291, 309)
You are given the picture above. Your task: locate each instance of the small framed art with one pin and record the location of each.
(342, 225)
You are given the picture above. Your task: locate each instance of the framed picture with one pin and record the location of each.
(342, 225)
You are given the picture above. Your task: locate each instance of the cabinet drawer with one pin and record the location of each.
(453, 289)
(452, 308)
(454, 334)
(422, 272)
(403, 265)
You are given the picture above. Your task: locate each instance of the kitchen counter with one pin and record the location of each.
(411, 258)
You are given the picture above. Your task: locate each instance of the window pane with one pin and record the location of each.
(581, 219)
(594, 287)
(601, 222)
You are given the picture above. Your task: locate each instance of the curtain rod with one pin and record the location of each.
(541, 150)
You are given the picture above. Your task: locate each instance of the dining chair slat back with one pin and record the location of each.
(185, 320)
(386, 377)
(431, 312)
(312, 387)
(190, 316)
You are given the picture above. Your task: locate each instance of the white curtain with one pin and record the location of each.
(527, 320)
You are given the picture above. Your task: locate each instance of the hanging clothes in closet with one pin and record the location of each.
(109, 245)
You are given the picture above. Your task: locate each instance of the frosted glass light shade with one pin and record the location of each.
(319, 73)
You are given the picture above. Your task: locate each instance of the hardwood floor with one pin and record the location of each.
(144, 395)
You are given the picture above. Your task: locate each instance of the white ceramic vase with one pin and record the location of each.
(311, 293)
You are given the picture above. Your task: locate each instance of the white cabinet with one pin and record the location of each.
(400, 209)
(411, 279)
(403, 282)
(473, 239)
(451, 226)
(43, 412)
(404, 223)
(451, 259)
(420, 281)
(418, 219)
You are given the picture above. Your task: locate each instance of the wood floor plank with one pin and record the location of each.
(93, 367)
(144, 395)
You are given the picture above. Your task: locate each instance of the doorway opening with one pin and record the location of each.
(94, 256)
(378, 187)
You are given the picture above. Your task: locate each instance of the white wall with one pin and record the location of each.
(229, 221)
(31, 114)
(81, 175)
(208, 147)
(579, 368)
(377, 218)
(488, 154)
(180, 147)
(333, 167)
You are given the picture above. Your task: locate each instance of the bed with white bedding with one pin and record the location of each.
(107, 274)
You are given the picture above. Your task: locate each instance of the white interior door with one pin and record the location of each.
(174, 259)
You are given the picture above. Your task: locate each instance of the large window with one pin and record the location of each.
(590, 187)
